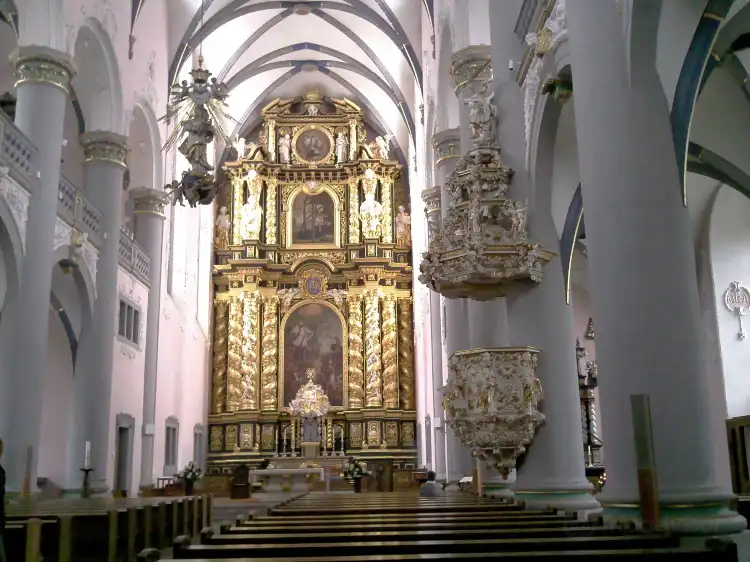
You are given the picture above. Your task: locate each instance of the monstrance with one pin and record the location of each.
(311, 400)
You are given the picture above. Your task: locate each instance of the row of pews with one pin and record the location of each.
(402, 527)
(100, 529)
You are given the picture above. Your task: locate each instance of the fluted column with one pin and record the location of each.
(644, 291)
(149, 231)
(105, 155)
(447, 146)
(42, 85)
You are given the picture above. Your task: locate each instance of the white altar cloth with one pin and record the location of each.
(298, 477)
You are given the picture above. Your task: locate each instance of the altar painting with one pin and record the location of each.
(313, 336)
(313, 219)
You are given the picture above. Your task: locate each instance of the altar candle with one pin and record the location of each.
(87, 456)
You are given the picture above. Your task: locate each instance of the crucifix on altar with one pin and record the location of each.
(311, 404)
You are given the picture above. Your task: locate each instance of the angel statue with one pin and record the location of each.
(250, 218)
(342, 146)
(383, 144)
(221, 230)
(285, 148)
(239, 145)
(199, 110)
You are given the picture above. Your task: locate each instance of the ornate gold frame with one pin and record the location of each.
(345, 350)
(297, 132)
(337, 212)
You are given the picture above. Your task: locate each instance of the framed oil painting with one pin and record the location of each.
(313, 339)
(313, 146)
(313, 219)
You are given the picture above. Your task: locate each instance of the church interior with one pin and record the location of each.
(352, 280)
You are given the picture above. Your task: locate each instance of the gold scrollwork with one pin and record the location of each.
(234, 362)
(406, 354)
(297, 258)
(246, 436)
(219, 380)
(270, 347)
(354, 211)
(355, 434)
(373, 390)
(386, 224)
(373, 433)
(391, 433)
(250, 351)
(237, 203)
(407, 434)
(217, 438)
(267, 435)
(356, 357)
(389, 356)
(313, 283)
(270, 213)
(230, 441)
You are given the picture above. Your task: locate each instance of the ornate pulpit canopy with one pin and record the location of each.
(311, 401)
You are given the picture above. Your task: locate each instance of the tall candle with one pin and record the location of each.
(87, 456)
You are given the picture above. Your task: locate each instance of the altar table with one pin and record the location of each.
(298, 477)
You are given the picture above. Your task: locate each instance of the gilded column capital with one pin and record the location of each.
(148, 201)
(35, 64)
(471, 65)
(105, 146)
(447, 145)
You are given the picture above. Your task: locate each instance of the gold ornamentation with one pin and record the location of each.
(313, 284)
(41, 65)
(391, 434)
(234, 363)
(231, 438)
(250, 351)
(355, 434)
(219, 381)
(267, 437)
(354, 211)
(389, 355)
(270, 351)
(296, 258)
(310, 401)
(405, 354)
(217, 438)
(271, 184)
(386, 199)
(373, 433)
(329, 433)
(246, 433)
(407, 434)
(356, 358)
(237, 203)
(300, 159)
(373, 390)
(103, 146)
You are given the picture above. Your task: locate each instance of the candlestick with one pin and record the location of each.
(87, 456)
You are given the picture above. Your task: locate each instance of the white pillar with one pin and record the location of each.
(42, 85)
(644, 289)
(105, 154)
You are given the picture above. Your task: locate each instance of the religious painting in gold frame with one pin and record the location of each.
(312, 145)
(313, 217)
(313, 334)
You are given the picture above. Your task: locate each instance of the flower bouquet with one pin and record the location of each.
(354, 471)
(189, 476)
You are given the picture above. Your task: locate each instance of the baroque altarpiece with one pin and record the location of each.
(312, 286)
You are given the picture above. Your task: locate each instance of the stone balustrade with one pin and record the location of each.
(133, 257)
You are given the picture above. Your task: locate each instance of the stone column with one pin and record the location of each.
(553, 472)
(447, 145)
(644, 289)
(149, 232)
(105, 155)
(42, 85)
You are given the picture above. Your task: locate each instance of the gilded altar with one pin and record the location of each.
(312, 274)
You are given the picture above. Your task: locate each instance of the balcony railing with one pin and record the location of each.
(19, 154)
(133, 258)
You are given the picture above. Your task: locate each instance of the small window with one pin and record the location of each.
(129, 322)
(171, 437)
(199, 445)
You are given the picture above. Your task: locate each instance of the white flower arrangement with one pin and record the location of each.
(355, 469)
(191, 473)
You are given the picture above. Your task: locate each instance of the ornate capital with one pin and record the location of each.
(447, 145)
(431, 198)
(148, 201)
(42, 65)
(471, 65)
(104, 146)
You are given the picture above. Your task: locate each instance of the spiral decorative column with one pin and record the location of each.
(250, 330)
(234, 356)
(405, 354)
(373, 350)
(270, 352)
(219, 377)
(390, 354)
(356, 356)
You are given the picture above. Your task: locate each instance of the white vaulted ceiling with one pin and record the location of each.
(365, 50)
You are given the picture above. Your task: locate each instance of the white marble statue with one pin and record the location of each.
(77, 241)
(239, 146)
(250, 219)
(285, 149)
(383, 143)
(369, 213)
(342, 148)
(482, 116)
(403, 228)
(221, 229)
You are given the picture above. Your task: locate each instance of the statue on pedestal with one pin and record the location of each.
(285, 149)
(369, 213)
(403, 228)
(221, 230)
(251, 218)
(342, 148)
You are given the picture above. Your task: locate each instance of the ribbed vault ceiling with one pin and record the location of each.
(366, 50)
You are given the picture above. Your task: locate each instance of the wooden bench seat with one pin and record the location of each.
(182, 549)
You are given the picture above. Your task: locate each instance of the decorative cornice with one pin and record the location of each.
(431, 197)
(148, 201)
(104, 146)
(447, 145)
(470, 65)
(42, 65)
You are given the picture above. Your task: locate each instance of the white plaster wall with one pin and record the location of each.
(72, 151)
(730, 261)
(565, 174)
(3, 277)
(57, 394)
